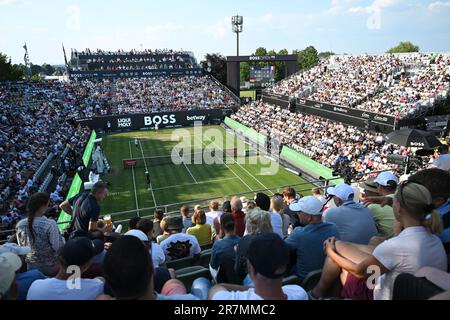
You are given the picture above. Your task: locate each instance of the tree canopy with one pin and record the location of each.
(9, 71)
(404, 46)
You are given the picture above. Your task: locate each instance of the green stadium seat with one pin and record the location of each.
(205, 258)
(292, 280)
(206, 247)
(181, 263)
(311, 280)
(188, 275)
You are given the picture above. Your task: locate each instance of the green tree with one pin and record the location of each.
(245, 71)
(261, 51)
(326, 54)
(404, 46)
(47, 69)
(9, 71)
(307, 57)
(218, 66)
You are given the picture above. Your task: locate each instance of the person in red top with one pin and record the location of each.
(239, 216)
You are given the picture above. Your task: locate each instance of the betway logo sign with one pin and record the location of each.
(157, 120)
(124, 123)
(378, 118)
(195, 118)
(340, 110)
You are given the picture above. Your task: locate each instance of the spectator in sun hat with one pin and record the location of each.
(369, 188)
(179, 245)
(384, 216)
(268, 259)
(10, 264)
(307, 241)
(24, 278)
(354, 222)
(75, 256)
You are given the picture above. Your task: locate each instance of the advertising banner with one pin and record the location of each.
(245, 131)
(307, 165)
(80, 75)
(150, 121)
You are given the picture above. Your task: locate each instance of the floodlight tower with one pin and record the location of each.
(237, 22)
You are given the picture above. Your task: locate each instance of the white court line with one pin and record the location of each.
(232, 171)
(248, 172)
(193, 184)
(134, 182)
(196, 182)
(146, 170)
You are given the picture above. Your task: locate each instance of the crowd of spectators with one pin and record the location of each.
(324, 141)
(396, 85)
(33, 127)
(36, 121)
(399, 228)
(133, 60)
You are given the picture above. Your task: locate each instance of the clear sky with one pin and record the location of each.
(203, 26)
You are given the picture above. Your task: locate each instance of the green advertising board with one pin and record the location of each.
(89, 147)
(247, 132)
(308, 165)
(64, 217)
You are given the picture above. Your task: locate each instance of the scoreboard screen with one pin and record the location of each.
(262, 77)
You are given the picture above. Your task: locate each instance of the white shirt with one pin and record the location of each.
(176, 246)
(413, 249)
(54, 289)
(210, 216)
(442, 162)
(158, 256)
(293, 292)
(277, 223)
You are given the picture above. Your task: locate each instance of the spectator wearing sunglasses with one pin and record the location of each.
(414, 246)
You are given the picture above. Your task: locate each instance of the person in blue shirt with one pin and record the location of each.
(307, 241)
(354, 222)
(223, 250)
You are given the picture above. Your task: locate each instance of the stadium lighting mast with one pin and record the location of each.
(237, 22)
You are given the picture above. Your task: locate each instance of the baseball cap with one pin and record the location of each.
(269, 255)
(14, 248)
(384, 178)
(138, 234)
(309, 205)
(174, 223)
(10, 263)
(369, 185)
(262, 201)
(342, 191)
(78, 251)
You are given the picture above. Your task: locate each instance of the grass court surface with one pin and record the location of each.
(172, 184)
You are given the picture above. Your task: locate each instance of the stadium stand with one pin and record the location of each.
(41, 148)
(397, 85)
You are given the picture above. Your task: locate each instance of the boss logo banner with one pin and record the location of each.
(160, 120)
